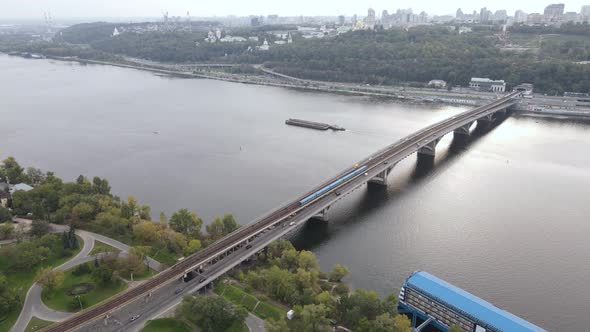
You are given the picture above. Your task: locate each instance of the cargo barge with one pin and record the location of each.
(312, 125)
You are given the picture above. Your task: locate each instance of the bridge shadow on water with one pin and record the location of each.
(375, 197)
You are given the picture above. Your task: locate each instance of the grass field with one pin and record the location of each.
(21, 281)
(102, 247)
(58, 299)
(166, 325)
(238, 296)
(37, 324)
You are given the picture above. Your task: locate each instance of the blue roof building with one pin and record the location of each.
(435, 301)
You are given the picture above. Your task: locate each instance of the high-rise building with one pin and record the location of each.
(370, 19)
(341, 20)
(585, 12)
(484, 15)
(459, 15)
(500, 15)
(519, 16)
(554, 12)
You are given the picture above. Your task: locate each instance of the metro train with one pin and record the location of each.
(332, 185)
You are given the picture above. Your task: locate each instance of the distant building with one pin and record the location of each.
(525, 88)
(439, 84)
(4, 199)
(459, 15)
(19, 186)
(585, 12)
(116, 32)
(370, 19)
(519, 16)
(554, 12)
(264, 46)
(485, 15)
(232, 39)
(341, 20)
(487, 85)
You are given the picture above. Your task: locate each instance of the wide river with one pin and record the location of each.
(505, 217)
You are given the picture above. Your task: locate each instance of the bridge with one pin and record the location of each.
(228, 252)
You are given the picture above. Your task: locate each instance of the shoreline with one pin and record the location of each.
(426, 99)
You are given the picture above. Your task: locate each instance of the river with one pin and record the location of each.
(505, 217)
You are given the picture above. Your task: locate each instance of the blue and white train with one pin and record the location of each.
(332, 185)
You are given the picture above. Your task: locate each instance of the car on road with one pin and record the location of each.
(201, 279)
(133, 318)
(292, 223)
(337, 192)
(177, 291)
(248, 246)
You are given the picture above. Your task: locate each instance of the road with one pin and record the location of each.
(33, 305)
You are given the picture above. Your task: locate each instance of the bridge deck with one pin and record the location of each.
(290, 212)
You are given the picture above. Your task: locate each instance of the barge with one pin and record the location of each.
(312, 125)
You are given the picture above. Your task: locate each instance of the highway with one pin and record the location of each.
(232, 249)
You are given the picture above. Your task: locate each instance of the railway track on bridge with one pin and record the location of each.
(401, 147)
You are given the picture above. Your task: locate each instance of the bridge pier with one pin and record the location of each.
(322, 215)
(429, 149)
(488, 118)
(463, 130)
(381, 178)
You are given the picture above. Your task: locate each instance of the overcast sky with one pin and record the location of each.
(64, 9)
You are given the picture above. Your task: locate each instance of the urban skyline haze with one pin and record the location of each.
(67, 9)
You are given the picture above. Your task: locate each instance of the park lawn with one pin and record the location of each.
(166, 325)
(143, 276)
(36, 324)
(238, 327)
(238, 296)
(58, 299)
(164, 256)
(21, 281)
(102, 247)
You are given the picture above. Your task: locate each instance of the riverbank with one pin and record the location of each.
(410, 95)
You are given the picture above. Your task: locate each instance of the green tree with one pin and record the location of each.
(272, 325)
(35, 176)
(338, 272)
(229, 224)
(307, 260)
(186, 222)
(7, 296)
(6, 231)
(193, 246)
(163, 219)
(312, 318)
(50, 279)
(39, 228)
(212, 313)
(101, 186)
(5, 215)
(402, 323)
(12, 171)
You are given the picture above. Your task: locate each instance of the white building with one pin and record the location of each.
(487, 85)
(116, 32)
(233, 39)
(439, 84)
(19, 186)
(264, 46)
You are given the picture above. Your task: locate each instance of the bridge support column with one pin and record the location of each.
(381, 178)
(322, 215)
(429, 149)
(488, 118)
(463, 130)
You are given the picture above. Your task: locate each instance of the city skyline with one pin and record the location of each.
(67, 9)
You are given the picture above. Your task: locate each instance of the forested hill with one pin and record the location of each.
(422, 54)
(419, 54)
